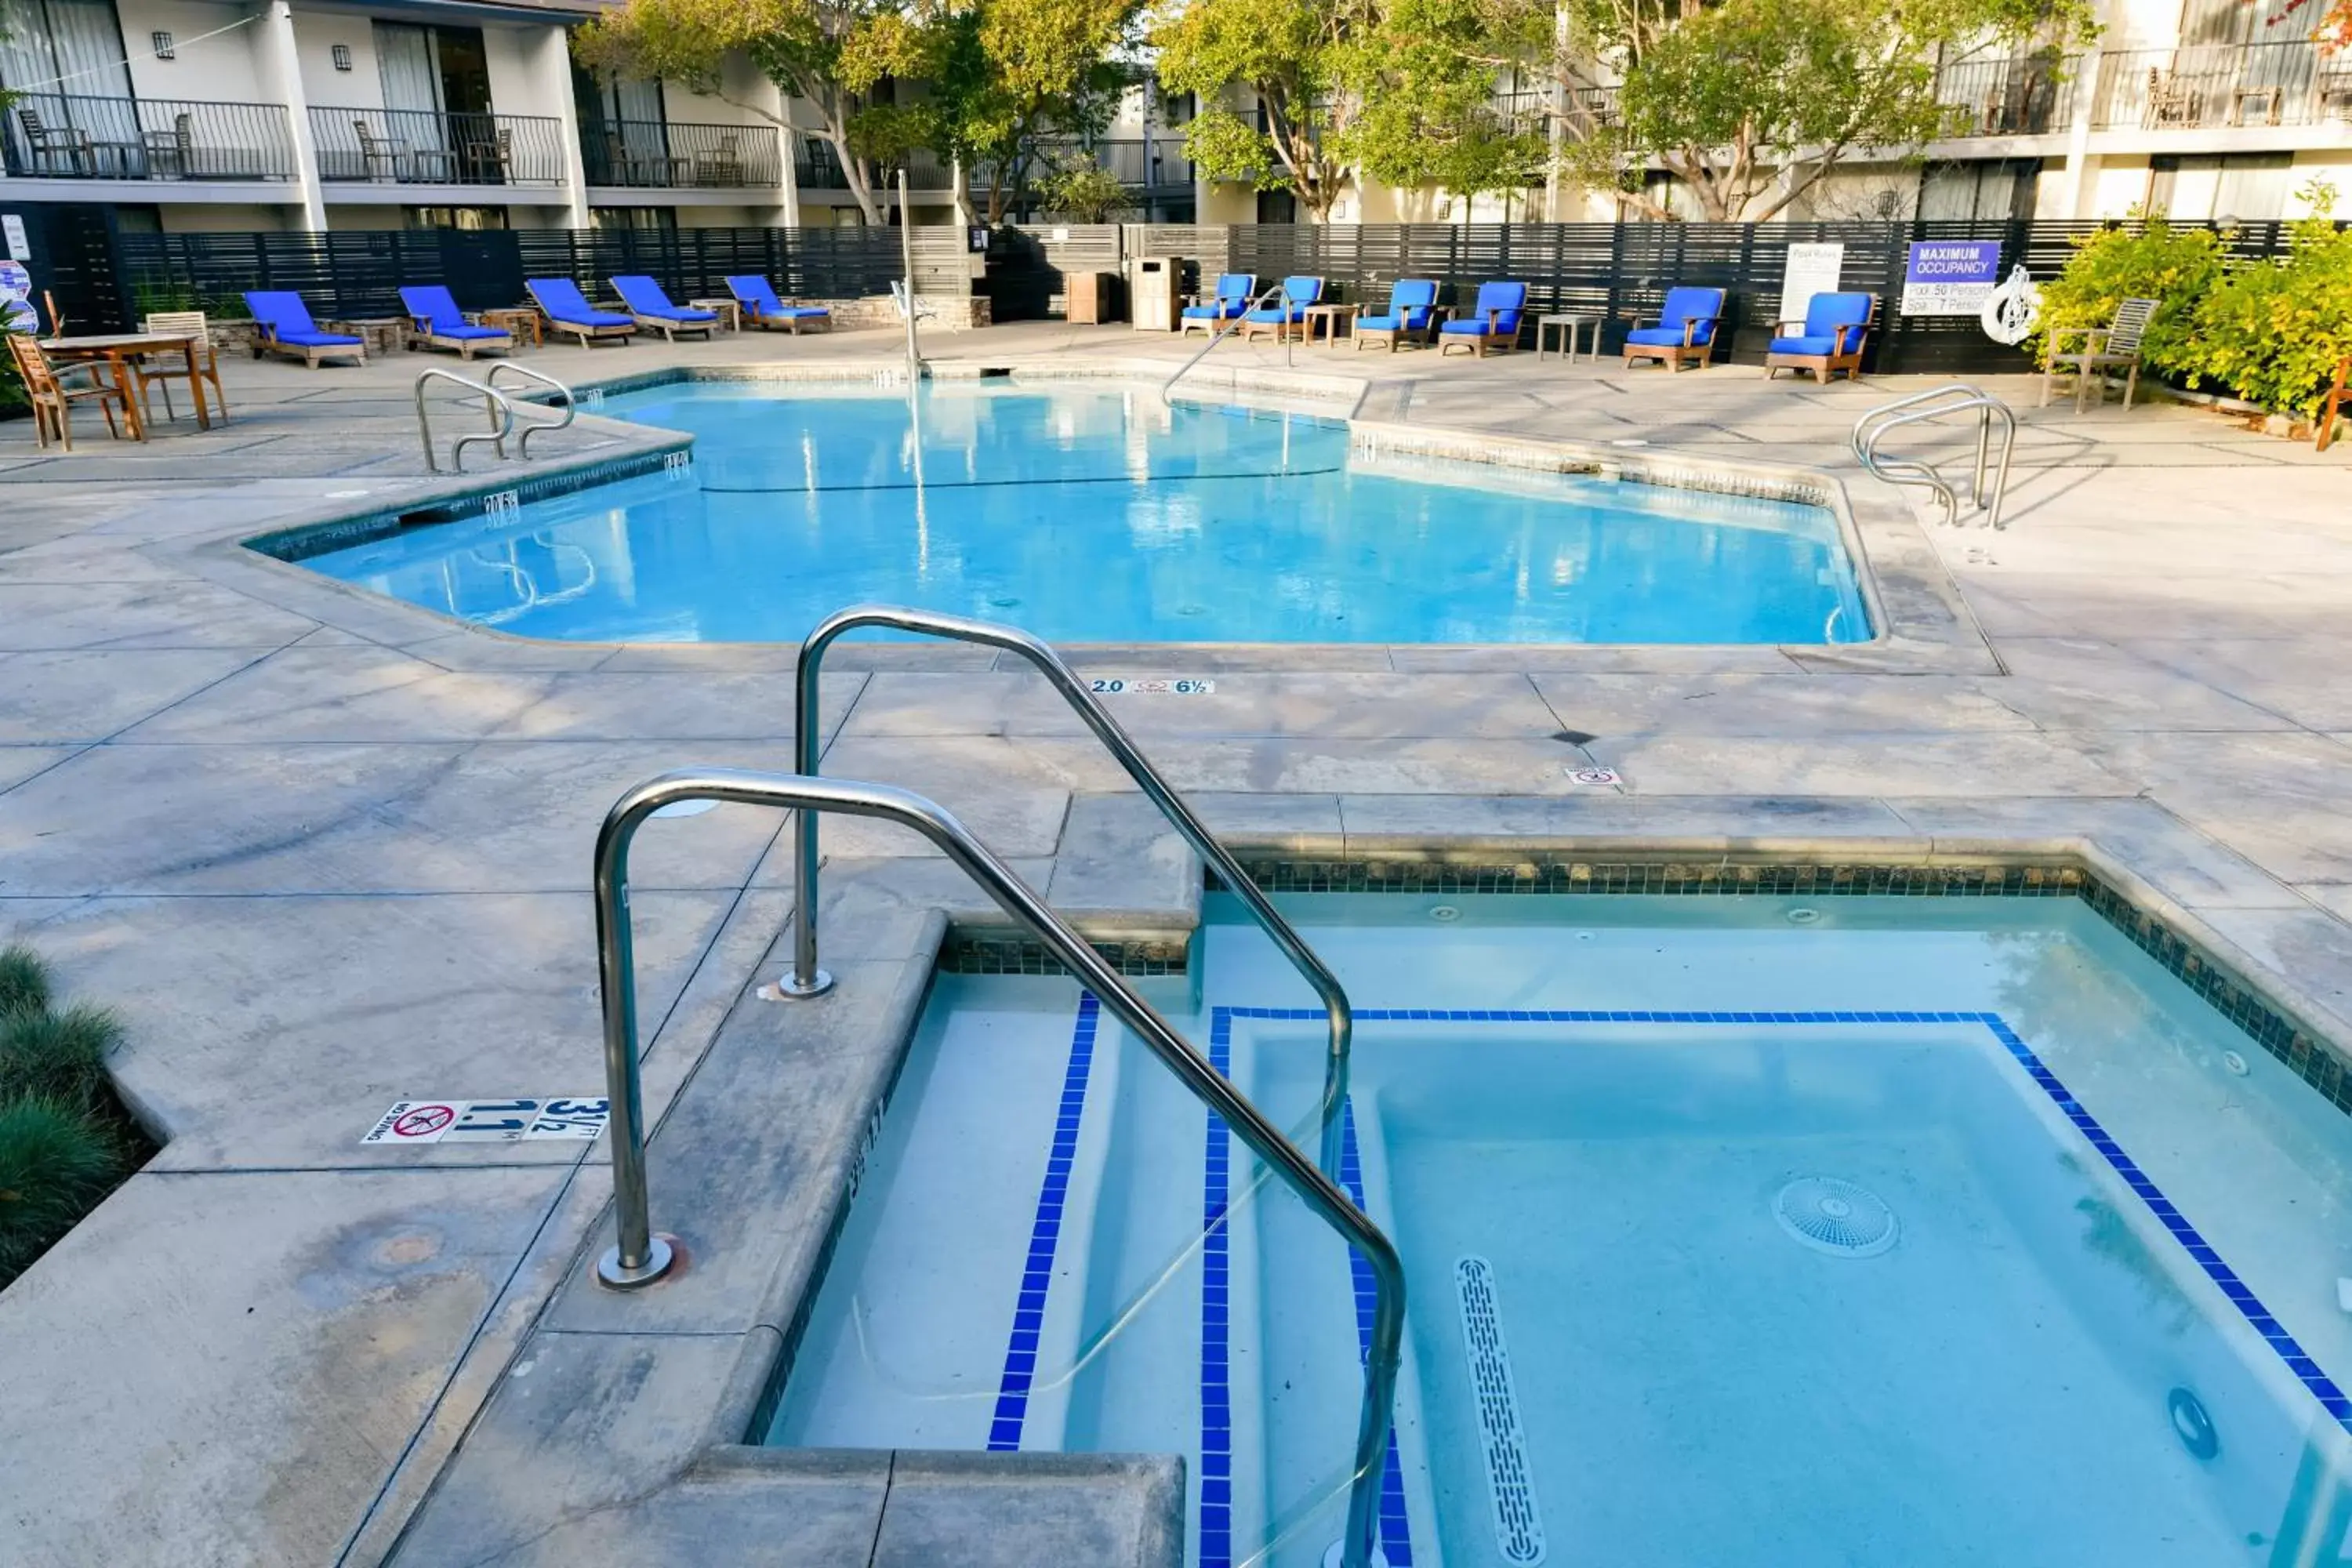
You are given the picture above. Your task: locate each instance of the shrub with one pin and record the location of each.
(2273, 331)
(24, 983)
(56, 1160)
(2176, 267)
(1084, 193)
(59, 1056)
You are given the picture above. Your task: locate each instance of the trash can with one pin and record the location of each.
(1155, 287)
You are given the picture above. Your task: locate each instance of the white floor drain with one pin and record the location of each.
(1836, 1217)
(1519, 1526)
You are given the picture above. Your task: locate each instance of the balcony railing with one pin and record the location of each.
(2222, 85)
(2033, 96)
(61, 136)
(421, 147)
(669, 155)
(1158, 164)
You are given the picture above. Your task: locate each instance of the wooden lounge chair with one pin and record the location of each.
(757, 296)
(162, 370)
(2103, 348)
(436, 322)
(54, 394)
(652, 310)
(568, 311)
(1828, 339)
(1287, 317)
(1412, 314)
(1234, 292)
(285, 328)
(1685, 330)
(1492, 325)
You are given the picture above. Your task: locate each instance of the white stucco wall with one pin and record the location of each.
(207, 68)
(315, 34)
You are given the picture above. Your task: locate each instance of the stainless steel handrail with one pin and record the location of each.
(571, 408)
(501, 411)
(1224, 330)
(639, 1257)
(1935, 403)
(807, 980)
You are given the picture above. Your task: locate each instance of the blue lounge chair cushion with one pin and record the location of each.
(1222, 311)
(1824, 314)
(1506, 300)
(287, 319)
(1682, 307)
(644, 297)
(1271, 314)
(562, 300)
(432, 309)
(1410, 302)
(797, 313)
(1297, 293)
(758, 295)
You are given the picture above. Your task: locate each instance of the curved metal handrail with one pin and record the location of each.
(640, 1257)
(1935, 403)
(502, 418)
(571, 409)
(1224, 330)
(807, 980)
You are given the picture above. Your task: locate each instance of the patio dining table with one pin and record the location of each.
(117, 350)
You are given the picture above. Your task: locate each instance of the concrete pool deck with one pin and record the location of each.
(325, 853)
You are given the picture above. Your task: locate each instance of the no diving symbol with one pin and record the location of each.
(423, 1121)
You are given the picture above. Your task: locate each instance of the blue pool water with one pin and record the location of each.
(1923, 1233)
(1093, 514)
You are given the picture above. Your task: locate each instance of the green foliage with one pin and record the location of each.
(2145, 259)
(2273, 331)
(1298, 57)
(24, 982)
(1085, 192)
(64, 1139)
(56, 1160)
(1426, 112)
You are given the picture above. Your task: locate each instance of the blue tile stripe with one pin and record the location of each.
(1216, 1381)
(1395, 1530)
(1045, 1233)
(2273, 1333)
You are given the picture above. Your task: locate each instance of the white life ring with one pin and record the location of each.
(2010, 310)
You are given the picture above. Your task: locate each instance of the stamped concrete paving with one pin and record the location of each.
(324, 853)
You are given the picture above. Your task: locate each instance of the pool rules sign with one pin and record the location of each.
(1950, 277)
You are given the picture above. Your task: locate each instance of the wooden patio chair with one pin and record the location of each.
(721, 166)
(44, 141)
(2103, 348)
(164, 369)
(53, 395)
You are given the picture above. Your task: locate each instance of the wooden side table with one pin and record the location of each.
(731, 311)
(515, 321)
(1567, 322)
(382, 334)
(1331, 316)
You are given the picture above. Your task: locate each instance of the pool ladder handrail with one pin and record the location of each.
(1225, 329)
(807, 979)
(639, 1258)
(501, 409)
(1935, 403)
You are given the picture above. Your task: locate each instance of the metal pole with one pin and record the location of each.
(642, 1256)
(906, 256)
(807, 980)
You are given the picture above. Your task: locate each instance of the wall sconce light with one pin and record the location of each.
(164, 49)
(343, 56)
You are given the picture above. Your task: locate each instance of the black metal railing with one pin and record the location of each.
(2222, 85)
(2032, 96)
(422, 147)
(671, 154)
(1157, 164)
(818, 167)
(1580, 111)
(68, 137)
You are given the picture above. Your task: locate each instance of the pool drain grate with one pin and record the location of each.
(1519, 1527)
(1836, 1217)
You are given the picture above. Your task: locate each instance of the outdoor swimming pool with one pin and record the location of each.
(1086, 512)
(1750, 1232)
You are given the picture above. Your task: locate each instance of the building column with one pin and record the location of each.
(550, 62)
(788, 193)
(280, 64)
(2079, 165)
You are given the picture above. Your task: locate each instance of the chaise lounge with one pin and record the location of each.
(1235, 291)
(285, 327)
(652, 309)
(568, 311)
(1685, 330)
(1493, 322)
(436, 322)
(757, 296)
(1827, 340)
(1412, 314)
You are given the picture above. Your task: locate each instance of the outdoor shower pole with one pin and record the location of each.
(906, 256)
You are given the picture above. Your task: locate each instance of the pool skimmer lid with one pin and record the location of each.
(1835, 1217)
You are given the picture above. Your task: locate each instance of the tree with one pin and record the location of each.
(1751, 103)
(799, 44)
(1294, 56)
(1085, 192)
